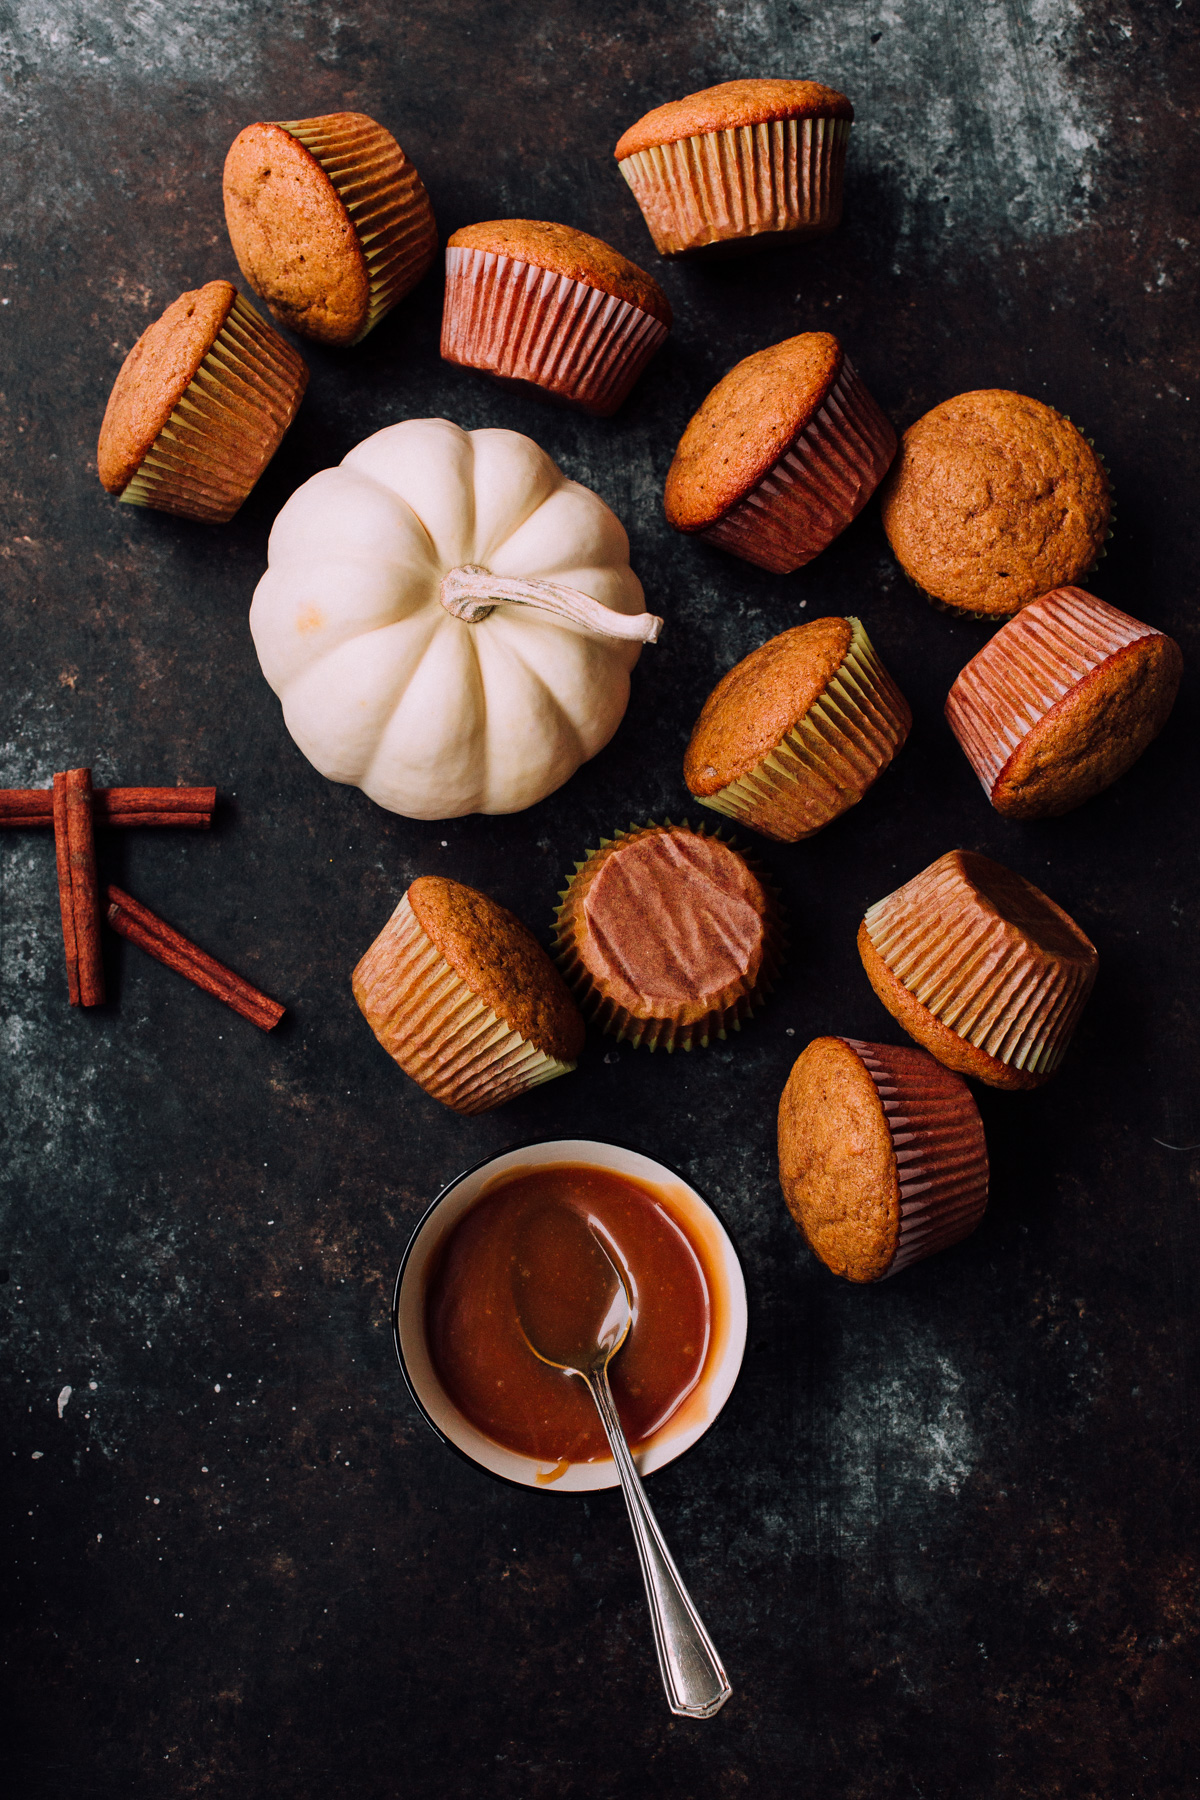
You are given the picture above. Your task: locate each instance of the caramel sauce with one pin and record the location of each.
(509, 1236)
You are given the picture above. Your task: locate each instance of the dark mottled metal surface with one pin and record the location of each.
(944, 1532)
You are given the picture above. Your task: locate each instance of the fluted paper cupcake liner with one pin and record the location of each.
(938, 1142)
(1031, 664)
(668, 1030)
(226, 425)
(828, 760)
(526, 323)
(442, 1034)
(747, 183)
(820, 483)
(385, 198)
(977, 974)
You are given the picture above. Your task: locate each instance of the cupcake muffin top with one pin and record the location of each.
(746, 424)
(154, 377)
(565, 251)
(501, 962)
(759, 701)
(730, 104)
(993, 499)
(293, 238)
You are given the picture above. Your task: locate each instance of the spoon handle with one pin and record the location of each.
(696, 1683)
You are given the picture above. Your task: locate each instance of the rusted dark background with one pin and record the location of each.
(944, 1533)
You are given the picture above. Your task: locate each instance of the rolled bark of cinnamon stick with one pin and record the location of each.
(85, 890)
(121, 806)
(142, 927)
(62, 856)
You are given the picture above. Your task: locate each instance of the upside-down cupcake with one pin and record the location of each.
(784, 453)
(1061, 702)
(199, 407)
(329, 221)
(465, 999)
(995, 499)
(882, 1158)
(797, 731)
(535, 302)
(981, 968)
(667, 936)
(742, 165)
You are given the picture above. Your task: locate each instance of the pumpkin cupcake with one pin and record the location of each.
(785, 452)
(740, 165)
(668, 936)
(541, 303)
(1061, 702)
(882, 1158)
(329, 221)
(465, 998)
(995, 499)
(199, 407)
(981, 968)
(797, 731)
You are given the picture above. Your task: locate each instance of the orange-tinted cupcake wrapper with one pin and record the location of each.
(526, 323)
(385, 198)
(939, 1146)
(976, 974)
(820, 483)
(227, 424)
(442, 1034)
(1031, 664)
(827, 761)
(748, 182)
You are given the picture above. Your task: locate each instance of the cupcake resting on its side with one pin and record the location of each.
(742, 165)
(1061, 702)
(797, 731)
(981, 968)
(199, 407)
(667, 936)
(784, 453)
(465, 999)
(531, 301)
(882, 1158)
(329, 221)
(995, 499)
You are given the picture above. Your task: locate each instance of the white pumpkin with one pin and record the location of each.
(401, 620)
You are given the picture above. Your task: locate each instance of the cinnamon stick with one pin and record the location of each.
(142, 927)
(85, 891)
(62, 856)
(20, 807)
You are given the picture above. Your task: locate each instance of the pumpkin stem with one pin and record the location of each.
(471, 593)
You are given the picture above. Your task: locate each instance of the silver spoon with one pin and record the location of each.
(582, 1340)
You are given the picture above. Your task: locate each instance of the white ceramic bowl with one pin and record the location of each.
(728, 1300)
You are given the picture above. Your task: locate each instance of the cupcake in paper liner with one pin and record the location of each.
(994, 500)
(981, 968)
(797, 731)
(199, 407)
(784, 453)
(744, 165)
(465, 999)
(882, 1158)
(668, 936)
(544, 304)
(1061, 702)
(329, 221)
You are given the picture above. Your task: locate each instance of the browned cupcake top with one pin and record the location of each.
(293, 238)
(154, 377)
(746, 424)
(500, 961)
(994, 499)
(837, 1164)
(565, 251)
(671, 920)
(730, 104)
(758, 702)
